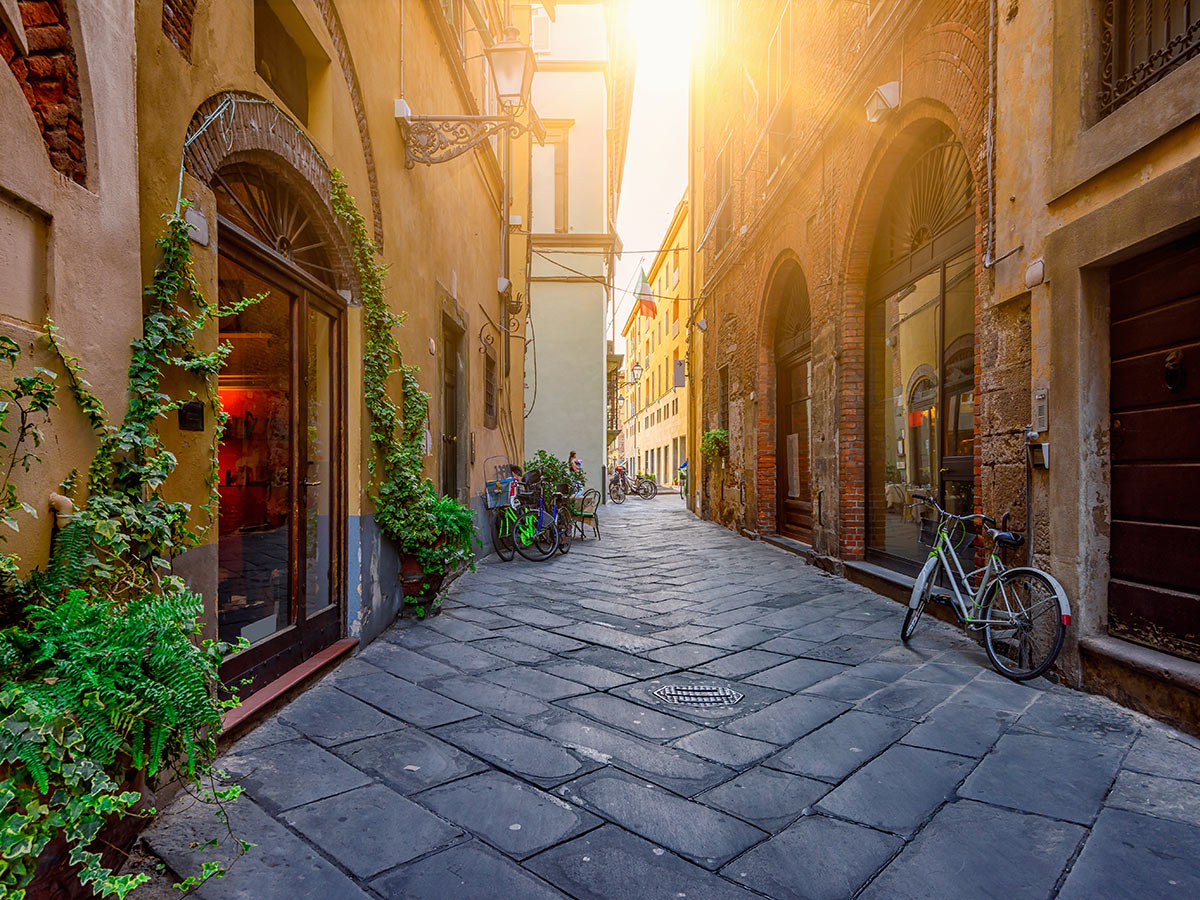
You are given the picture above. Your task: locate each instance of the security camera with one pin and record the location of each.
(882, 101)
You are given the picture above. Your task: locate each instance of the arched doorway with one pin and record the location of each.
(793, 380)
(282, 511)
(920, 332)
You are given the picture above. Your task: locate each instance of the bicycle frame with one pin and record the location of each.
(962, 584)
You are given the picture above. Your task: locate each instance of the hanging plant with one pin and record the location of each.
(439, 532)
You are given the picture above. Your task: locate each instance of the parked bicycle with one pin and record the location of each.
(620, 485)
(683, 481)
(1023, 611)
(526, 526)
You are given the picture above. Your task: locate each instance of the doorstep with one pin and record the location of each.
(1150, 681)
(897, 586)
(255, 708)
(800, 548)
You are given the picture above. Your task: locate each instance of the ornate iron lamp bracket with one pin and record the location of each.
(437, 139)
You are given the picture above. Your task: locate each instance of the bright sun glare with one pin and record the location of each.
(664, 31)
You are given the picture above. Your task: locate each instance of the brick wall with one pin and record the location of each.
(49, 78)
(177, 18)
(820, 207)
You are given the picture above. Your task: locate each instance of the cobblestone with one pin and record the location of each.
(513, 747)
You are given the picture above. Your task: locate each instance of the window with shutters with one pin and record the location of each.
(489, 390)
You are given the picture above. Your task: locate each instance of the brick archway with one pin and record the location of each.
(261, 132)
(178, 17)
(887, 159)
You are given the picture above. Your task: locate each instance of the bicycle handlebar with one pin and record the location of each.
(924, 498)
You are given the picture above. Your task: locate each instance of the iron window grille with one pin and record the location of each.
(1141, 42)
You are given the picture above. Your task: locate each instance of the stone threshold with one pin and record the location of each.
(801, 549)
(255, 708)
(1150, 681)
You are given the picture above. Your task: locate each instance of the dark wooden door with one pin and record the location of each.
(1154, 592)
(792, 464)
(450, 417)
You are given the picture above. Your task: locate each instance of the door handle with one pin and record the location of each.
(309, 483)
(943, 471)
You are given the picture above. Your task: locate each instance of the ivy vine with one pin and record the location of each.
(104, 675)
(438, 531)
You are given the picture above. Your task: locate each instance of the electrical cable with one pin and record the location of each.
(602, 281)
(531, 342)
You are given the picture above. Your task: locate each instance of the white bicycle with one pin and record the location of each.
(1023, 611)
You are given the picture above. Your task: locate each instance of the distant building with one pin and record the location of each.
(582, 92)
(661, 345)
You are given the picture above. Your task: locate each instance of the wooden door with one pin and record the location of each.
(792, 464)
(1154, 592)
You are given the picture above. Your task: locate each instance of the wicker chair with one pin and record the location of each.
(586, 512)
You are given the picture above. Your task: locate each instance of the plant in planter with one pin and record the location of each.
(714, 445)
(555, 471)
(435, 535)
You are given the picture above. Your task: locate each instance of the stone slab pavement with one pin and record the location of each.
(514, 747)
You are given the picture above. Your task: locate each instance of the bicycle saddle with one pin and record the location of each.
(1006, 538)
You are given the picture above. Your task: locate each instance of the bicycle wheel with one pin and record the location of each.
(653, 488)
(646, 490)
(615, 493)
(1025, 640)
(565, 525)
(683, 490)
(922, 590)
(502, 534)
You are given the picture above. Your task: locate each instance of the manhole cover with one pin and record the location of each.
(698, 695)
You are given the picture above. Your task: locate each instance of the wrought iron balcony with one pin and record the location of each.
(1141, 41)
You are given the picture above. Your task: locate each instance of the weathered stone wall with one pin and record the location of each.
(820, 207)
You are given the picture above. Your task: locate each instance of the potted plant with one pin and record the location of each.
(715, 445)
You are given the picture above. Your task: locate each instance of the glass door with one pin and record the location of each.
(280, 521)
(255, 559)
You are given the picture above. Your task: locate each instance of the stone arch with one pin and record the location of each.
(257, 130)
(906, 129)
(178, 17)
(784, 280)
(40, 52)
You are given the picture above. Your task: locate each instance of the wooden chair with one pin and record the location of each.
(586, 512)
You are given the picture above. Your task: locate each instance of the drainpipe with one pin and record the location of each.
(990, 141)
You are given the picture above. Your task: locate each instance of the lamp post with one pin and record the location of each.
(437, 139)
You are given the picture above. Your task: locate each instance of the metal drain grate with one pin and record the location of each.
(705, 695)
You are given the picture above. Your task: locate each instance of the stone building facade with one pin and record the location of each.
(907, 219)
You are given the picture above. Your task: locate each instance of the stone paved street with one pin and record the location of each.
(513, 748)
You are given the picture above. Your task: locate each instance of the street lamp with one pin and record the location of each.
(636, 372)
(513, 65)
(438, 139)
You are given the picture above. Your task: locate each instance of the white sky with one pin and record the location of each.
(656, 163)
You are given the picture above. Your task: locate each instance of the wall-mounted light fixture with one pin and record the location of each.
(437, 139)
(702, 324)
(882, 101)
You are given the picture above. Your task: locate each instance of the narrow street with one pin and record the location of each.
(515, 747)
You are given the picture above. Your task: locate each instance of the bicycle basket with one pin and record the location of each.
(927, 531)
(501, 493)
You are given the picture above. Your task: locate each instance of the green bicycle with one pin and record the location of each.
(524, 529)
(1023, 612)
